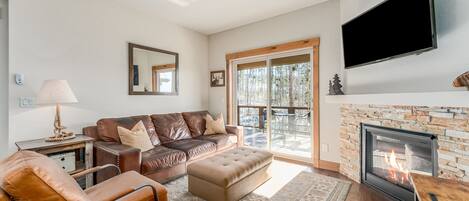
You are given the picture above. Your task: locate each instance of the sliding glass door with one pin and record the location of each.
(252, 100)
(291, 103)
(274, 102)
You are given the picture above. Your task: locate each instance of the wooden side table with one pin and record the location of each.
(428, 188)
(78, 144)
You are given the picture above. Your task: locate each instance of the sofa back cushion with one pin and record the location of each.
(28, 175)
(107, 128)
(196, 122)
(170, 127)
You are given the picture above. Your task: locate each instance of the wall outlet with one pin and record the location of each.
(324, 148)
(27, 102)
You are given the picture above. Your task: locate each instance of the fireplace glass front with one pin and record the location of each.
(389, 155)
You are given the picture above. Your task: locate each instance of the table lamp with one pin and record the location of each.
(57, 92)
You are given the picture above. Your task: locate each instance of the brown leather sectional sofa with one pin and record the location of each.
(182, 142)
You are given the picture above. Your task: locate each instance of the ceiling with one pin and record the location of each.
(212, 16)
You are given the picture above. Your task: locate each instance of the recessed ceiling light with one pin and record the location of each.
(182, 3)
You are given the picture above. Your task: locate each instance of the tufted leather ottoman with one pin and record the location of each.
(229, 175)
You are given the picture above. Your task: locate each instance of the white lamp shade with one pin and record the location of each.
(55, 92)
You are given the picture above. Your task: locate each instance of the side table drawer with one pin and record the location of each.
(65, 160)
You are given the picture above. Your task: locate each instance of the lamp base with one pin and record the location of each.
(59, 131)
(61, 137)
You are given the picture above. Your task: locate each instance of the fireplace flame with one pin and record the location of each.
(396, 171)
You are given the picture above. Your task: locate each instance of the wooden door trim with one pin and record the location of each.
(308, 43)
(316, 97)
(312, 43)
(164, 66)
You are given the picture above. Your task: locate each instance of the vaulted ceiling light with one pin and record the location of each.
(182, 3)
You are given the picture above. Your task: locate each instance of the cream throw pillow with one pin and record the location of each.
(137, 137)
(216, 126)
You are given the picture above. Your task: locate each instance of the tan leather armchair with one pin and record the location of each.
(29, 175)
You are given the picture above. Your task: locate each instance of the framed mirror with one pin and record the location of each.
(152, 71)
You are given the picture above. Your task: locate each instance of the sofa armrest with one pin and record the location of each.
(125, 157)
(238, 131)
(91, 131)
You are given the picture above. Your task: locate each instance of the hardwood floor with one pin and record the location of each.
(358, 192)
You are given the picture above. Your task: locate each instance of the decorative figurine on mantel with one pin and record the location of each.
(462, 80)
(335, 88)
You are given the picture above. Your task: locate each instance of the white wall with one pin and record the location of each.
(3, 77)
(322, 21)
(431, 71)
(85, 42)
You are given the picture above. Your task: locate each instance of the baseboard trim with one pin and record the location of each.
(328, 165)
(325, 165)
(295, 161)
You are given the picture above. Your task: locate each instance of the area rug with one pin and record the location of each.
(306, 186)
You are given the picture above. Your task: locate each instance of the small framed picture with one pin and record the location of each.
(217, 78)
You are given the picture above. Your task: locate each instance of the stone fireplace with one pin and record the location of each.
(389, 155)
(448, 125)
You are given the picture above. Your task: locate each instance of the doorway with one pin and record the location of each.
(273, 101)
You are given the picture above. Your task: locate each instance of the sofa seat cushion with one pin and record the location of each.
(193, 148)
(161, 157)
(171, 127)
(221, 140)
(196, 122)
(107, 128)
(115, 187)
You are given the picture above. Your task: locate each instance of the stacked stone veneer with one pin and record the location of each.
(450, 125)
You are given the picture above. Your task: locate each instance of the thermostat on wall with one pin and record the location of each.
(19, 79)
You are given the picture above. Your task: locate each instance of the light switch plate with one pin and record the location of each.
(27, 102)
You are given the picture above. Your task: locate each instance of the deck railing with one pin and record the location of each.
(261, 113)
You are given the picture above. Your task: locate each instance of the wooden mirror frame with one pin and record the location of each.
(131, 70)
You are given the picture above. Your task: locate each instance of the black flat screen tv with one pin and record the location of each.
(394, 28)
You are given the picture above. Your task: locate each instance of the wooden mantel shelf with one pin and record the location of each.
(431, 99)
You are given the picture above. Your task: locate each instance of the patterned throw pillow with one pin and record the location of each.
(216, 126)
(137, 137)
